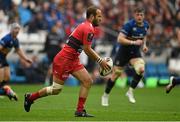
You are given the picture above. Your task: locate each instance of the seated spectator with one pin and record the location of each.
(37, 23)
(34, 73)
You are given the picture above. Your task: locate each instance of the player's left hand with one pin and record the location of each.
(28, 60)
(145, 49)
(105, 65)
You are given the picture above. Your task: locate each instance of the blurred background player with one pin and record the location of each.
(131, 37)
(6, 44)
(53, 44)
(173, 82)
(67, 62)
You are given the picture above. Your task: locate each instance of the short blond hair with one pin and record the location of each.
(14, 25)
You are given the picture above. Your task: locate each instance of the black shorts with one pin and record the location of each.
(3, 62)
(123, 56)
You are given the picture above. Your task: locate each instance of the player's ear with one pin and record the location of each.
(92, 16)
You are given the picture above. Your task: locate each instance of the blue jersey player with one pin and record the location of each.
(131, 38)
(8, 42)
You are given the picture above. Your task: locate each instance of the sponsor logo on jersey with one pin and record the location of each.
(90, 37)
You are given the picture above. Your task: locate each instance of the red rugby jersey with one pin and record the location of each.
(82, 35)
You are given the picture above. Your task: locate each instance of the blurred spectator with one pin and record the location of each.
(5, 5)
(13, 14)
(33, 73)
(163, 16)
(60, 29)
(177, 21)
(37, 23)
(24, 13)
(174, 59)
(80, 12)
(176, 49)
(54, 43)
(117, 12)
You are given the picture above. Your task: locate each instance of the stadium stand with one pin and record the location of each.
(39, 16)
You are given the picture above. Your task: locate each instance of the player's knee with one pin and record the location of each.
(87, 83)
(139, 67)
(141, 70)
(55, 89)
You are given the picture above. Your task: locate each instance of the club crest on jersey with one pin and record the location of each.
(134, 29)
(90, 37)
(141, 35)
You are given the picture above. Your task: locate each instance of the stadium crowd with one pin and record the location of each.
(35, 15)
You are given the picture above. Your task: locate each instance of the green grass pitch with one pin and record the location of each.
(152, 104)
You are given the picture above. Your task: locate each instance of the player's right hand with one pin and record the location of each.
(138, 42)
(105, 65)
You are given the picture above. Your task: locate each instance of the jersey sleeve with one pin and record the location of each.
(147, 25)
(126, 29)
(16, 44)
(88, 36)
(3, 42)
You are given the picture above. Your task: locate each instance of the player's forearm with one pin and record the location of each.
(92, 54)
(21, 54)
(144, 42)
(122, 40)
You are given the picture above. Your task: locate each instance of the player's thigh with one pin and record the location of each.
(61, 69)
(1, 74)
(136, 58)
(133, 61)
(83, 76)
(6, 73)
(138, 64)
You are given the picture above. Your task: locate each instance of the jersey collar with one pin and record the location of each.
(137, 24)
(89, 23)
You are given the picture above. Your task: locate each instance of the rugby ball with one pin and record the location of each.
(104, 72)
